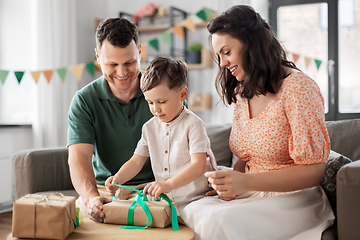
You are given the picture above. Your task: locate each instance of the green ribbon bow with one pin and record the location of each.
(140, 199)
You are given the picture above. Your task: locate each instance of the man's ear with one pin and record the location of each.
(183, 93)
(97, 56)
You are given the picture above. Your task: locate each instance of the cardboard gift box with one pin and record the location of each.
(44, 216)
(117, 213)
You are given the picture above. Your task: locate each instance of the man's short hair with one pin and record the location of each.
(118, 31)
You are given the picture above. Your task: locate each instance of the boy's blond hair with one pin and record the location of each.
(164, 69)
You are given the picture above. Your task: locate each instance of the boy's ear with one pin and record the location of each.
(183, 93)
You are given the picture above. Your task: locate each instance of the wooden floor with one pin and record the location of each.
(5, 224)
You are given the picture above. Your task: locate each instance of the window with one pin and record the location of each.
(321, 38)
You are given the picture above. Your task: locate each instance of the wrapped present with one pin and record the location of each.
(117, 213)
(140, 213)
(44, 216)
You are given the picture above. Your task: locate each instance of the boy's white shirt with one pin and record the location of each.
(170, 146)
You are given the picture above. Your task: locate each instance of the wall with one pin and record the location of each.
(15, 15)
(199, 80)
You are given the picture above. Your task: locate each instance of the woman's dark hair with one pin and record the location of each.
(263, 58)
(118, 31)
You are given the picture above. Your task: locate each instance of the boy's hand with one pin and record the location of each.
(108, 184)
(156, 188)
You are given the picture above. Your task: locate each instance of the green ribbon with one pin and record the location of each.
(140, 199)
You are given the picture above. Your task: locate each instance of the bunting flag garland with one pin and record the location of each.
(178, 30)
(91, 67)
(295, 57)
(62, 73)
(307, 60)
(3, 75)
(48, 74)
(154, 43)
(35, 75)
(19, 75)
(143, 52)
(166, 36)
(78, 70)
(204, 14)
(188, 23)
(318, 63)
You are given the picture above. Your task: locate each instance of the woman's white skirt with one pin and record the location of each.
(299, 215)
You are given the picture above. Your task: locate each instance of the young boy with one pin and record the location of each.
(175, 138)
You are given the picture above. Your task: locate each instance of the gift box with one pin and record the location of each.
(117, 213)
(44, 216)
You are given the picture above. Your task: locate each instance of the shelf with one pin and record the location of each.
(199, 102)
(163, 27)
(206, 61)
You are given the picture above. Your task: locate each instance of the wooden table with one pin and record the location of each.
(93, 230)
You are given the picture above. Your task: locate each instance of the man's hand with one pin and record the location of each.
(95, 208)
(156, 188)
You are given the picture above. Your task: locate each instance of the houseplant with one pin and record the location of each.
(194, 53)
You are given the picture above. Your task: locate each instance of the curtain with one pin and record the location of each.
(54, 46)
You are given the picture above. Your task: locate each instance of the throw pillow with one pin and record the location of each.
(328, 183)
(219, 140)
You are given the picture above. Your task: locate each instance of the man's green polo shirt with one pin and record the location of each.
(97, 117)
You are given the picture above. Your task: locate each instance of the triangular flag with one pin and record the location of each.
(188, 23)
(48, 74)
(78, 70)
(19, 75)
(295, 57)
(62, 73)
(208, 13)
(143, 52)
(35, 75)
(154, 43)
(202, 15)
(3, 75)
(97, 66)
(166, 36)
(318, 63)
(91, 67)
(178, 30)
(307, 61)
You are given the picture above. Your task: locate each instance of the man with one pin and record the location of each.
(106, 117)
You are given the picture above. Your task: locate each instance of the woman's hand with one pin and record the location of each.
(226, 183)
(156, 188)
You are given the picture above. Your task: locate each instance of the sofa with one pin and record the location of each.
(43, 170)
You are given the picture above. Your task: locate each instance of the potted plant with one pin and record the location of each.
(194, 53)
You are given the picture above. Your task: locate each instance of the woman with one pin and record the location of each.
(278, 134)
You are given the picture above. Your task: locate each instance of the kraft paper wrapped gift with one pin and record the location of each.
(117, 212)
(44, 216)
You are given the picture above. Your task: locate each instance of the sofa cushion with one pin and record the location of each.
(328, 183)
(344, 137)
(219, 139)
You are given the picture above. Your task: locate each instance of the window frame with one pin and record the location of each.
(333, 51)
